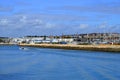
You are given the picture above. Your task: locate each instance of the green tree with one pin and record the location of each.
(1, 40)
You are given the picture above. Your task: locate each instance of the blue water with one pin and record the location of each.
(57, 64)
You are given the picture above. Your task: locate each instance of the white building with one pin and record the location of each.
(66, 40)
(36, 40)
(17, 40)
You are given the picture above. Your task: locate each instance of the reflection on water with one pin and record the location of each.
(57, 64)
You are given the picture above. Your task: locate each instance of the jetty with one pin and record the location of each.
(105, 48)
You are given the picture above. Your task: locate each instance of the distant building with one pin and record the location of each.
(4, 40)
(92, 38)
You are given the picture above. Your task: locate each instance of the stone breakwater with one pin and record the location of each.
(106, 48)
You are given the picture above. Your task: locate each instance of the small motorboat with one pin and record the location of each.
(23, 48)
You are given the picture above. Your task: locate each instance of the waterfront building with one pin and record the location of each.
(91, 38)
(4, 40)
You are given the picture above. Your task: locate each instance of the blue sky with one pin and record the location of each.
(56, 17)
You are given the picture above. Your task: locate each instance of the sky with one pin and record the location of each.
(55, 17)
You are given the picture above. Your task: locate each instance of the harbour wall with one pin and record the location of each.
(106, 48)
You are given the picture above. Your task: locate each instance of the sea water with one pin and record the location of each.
(57, 64)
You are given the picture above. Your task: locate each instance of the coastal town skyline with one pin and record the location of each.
(55, 17)
(91, 38)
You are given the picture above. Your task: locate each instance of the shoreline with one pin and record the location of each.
(104, 48)
(7, 44)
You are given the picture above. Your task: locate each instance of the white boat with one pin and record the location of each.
(23, 48)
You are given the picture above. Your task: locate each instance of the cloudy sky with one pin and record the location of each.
(56, 17)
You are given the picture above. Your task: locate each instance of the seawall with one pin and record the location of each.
(106, 48)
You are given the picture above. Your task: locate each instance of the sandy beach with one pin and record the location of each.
(106, 48)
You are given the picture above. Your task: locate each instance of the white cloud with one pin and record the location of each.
(103, 25)
(38, 21)
(3, 21)
(23, 19)
(83, 26)
(50, 25)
